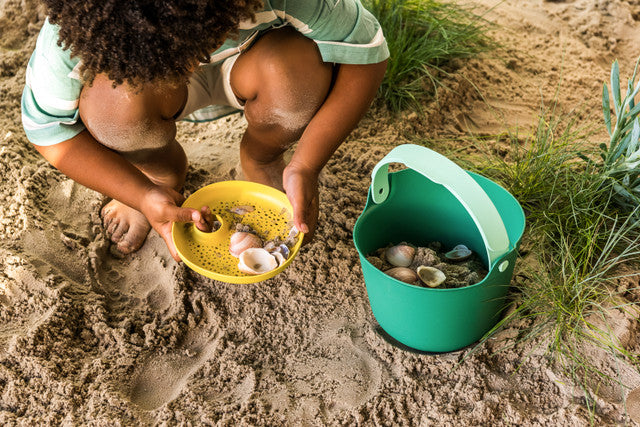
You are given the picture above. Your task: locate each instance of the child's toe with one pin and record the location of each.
(112, 226)
(130, 242)
(119, 233)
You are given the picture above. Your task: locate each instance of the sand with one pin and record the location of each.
(86, 338)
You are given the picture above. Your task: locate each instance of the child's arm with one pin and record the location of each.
(91, 164)
(353, 91)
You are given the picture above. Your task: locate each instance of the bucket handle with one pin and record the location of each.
(441, 170)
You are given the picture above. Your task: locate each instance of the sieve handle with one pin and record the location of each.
(441, 170)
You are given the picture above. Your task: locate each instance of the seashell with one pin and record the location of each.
(293, 232)
(270, 246)
(458, 253)
(403, 274)
(256, 261)
(284, 250)
(279, 258)
(431, 276)
(241, 210)
(240, 241)
(400, 255)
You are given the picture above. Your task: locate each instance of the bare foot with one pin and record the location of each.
(125, 226)
(264, 173)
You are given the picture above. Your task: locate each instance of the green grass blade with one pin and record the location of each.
(606, 108)
(634, 110)
(633, 140)
(615, 86)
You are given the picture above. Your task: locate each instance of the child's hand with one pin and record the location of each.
(161, 207)
(301, 186)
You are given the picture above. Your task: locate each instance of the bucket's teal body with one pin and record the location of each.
(419, 211)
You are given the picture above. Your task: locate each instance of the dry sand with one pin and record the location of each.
(88, 338)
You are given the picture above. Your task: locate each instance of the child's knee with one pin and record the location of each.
(291, 81)
(123, 119)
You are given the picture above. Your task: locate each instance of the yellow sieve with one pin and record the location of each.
(208, 253)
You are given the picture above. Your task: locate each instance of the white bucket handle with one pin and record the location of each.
(441, 170)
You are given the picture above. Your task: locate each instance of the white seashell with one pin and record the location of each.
(403, 274)
(241, 210)
(257, 261)
(458, 253)
(293, 232)
(431, 276)
(279, 258)
(400, 255)
(284, 250)
(240, 241)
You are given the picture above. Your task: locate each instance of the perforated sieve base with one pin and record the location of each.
(208, 253)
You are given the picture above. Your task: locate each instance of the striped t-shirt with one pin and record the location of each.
(344, 31)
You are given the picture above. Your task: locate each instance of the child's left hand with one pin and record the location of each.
(301, 186)
(161, 206)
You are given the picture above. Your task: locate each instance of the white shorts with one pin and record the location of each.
(209, 93)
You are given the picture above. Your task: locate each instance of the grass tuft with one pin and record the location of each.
(423, 36)
(579, 238)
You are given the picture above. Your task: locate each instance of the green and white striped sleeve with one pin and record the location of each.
(344, 30)
(50, 96)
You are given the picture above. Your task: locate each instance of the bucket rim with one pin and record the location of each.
(523, 217)
(513, 245)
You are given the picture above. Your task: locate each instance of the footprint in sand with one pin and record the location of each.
(161, 379)
(144, 277)
(338, 367)
(58, 243)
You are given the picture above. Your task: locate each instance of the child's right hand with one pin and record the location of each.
(161, 206)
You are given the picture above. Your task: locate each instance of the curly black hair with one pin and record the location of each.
(145, 41)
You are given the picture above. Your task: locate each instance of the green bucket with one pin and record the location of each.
(436, 200)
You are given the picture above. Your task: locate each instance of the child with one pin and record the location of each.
(108, 79)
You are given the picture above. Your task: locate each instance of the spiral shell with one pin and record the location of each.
(400, 255)
(240, 241)
(403, 274)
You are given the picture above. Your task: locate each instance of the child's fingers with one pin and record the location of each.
(300, 207)
(177, 214)
(207, 215)
(206, 220)
(172, 249)
(165, 233)
(201, 218)
(300, 216)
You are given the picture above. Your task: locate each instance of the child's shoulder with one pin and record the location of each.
(51, 75)
(47, 47)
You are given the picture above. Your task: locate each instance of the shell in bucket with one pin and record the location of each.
(435, 200)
